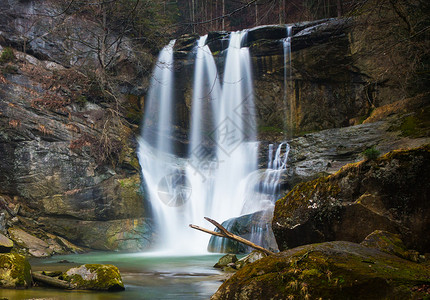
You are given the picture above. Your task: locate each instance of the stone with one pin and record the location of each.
(5, 244)
(246, 226)
(95, 277)
(125, 234)
(15, 271)
(389, 193)
(62, 181)
(35, 246)
(226, 260)
(390, 243)
(250, 258)
(330, 270)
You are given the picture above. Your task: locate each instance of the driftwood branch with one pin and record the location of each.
(225, 233)
(54, 282)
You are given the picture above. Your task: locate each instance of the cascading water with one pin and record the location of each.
(220, 177)
(262, 190)
(222, 149)
(287, 74)
(165, 183)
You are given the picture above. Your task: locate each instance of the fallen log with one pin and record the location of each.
(54, 282)
(227, 234)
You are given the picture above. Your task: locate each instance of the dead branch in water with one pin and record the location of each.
(225, 233)
(54, 282)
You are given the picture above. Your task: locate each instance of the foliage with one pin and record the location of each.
(371, 153)
(7, 55)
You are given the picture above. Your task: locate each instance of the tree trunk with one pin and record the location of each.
(54, 282)
(339, 8)
(223, 15)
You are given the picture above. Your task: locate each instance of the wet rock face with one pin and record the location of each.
(335, 270)
(54, 162)
(389, 193)
(323, 87)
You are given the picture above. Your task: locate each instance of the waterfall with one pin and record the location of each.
(219, 178)
(166, 184)
(287, 76)
(262, 191)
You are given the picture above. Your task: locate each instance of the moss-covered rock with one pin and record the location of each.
(389, 243)
(389, 193)
(15, 271)
(95, 277)
(332, 270)
(225, 260)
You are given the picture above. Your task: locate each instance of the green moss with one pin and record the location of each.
(15, 271)
(417, 125)
(7, 55)
(81, 100)
(299, 196)
(269, 129)
(133, 110)
(96, 277)
(336, 270)
(409, 126)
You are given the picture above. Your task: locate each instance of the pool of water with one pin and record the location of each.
(145, 275)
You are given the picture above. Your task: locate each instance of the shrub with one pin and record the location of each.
(7, 55)
(371, 153)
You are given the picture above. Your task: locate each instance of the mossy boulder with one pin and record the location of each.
(389, 243)
(15, 271)
(95, 277)
(331, 270)
(389, 193)
(226, 260)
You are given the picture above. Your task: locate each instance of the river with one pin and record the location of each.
(145, 276)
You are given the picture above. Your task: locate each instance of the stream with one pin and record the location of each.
(145, 276)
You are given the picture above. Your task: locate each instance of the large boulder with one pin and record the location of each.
(331, 270)
(36, 247)
(389, 243)
(389, 193)
(15, 271)
(95, 277)
(255, 227)
(5, 244)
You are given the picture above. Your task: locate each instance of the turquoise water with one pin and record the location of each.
(145, 275)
